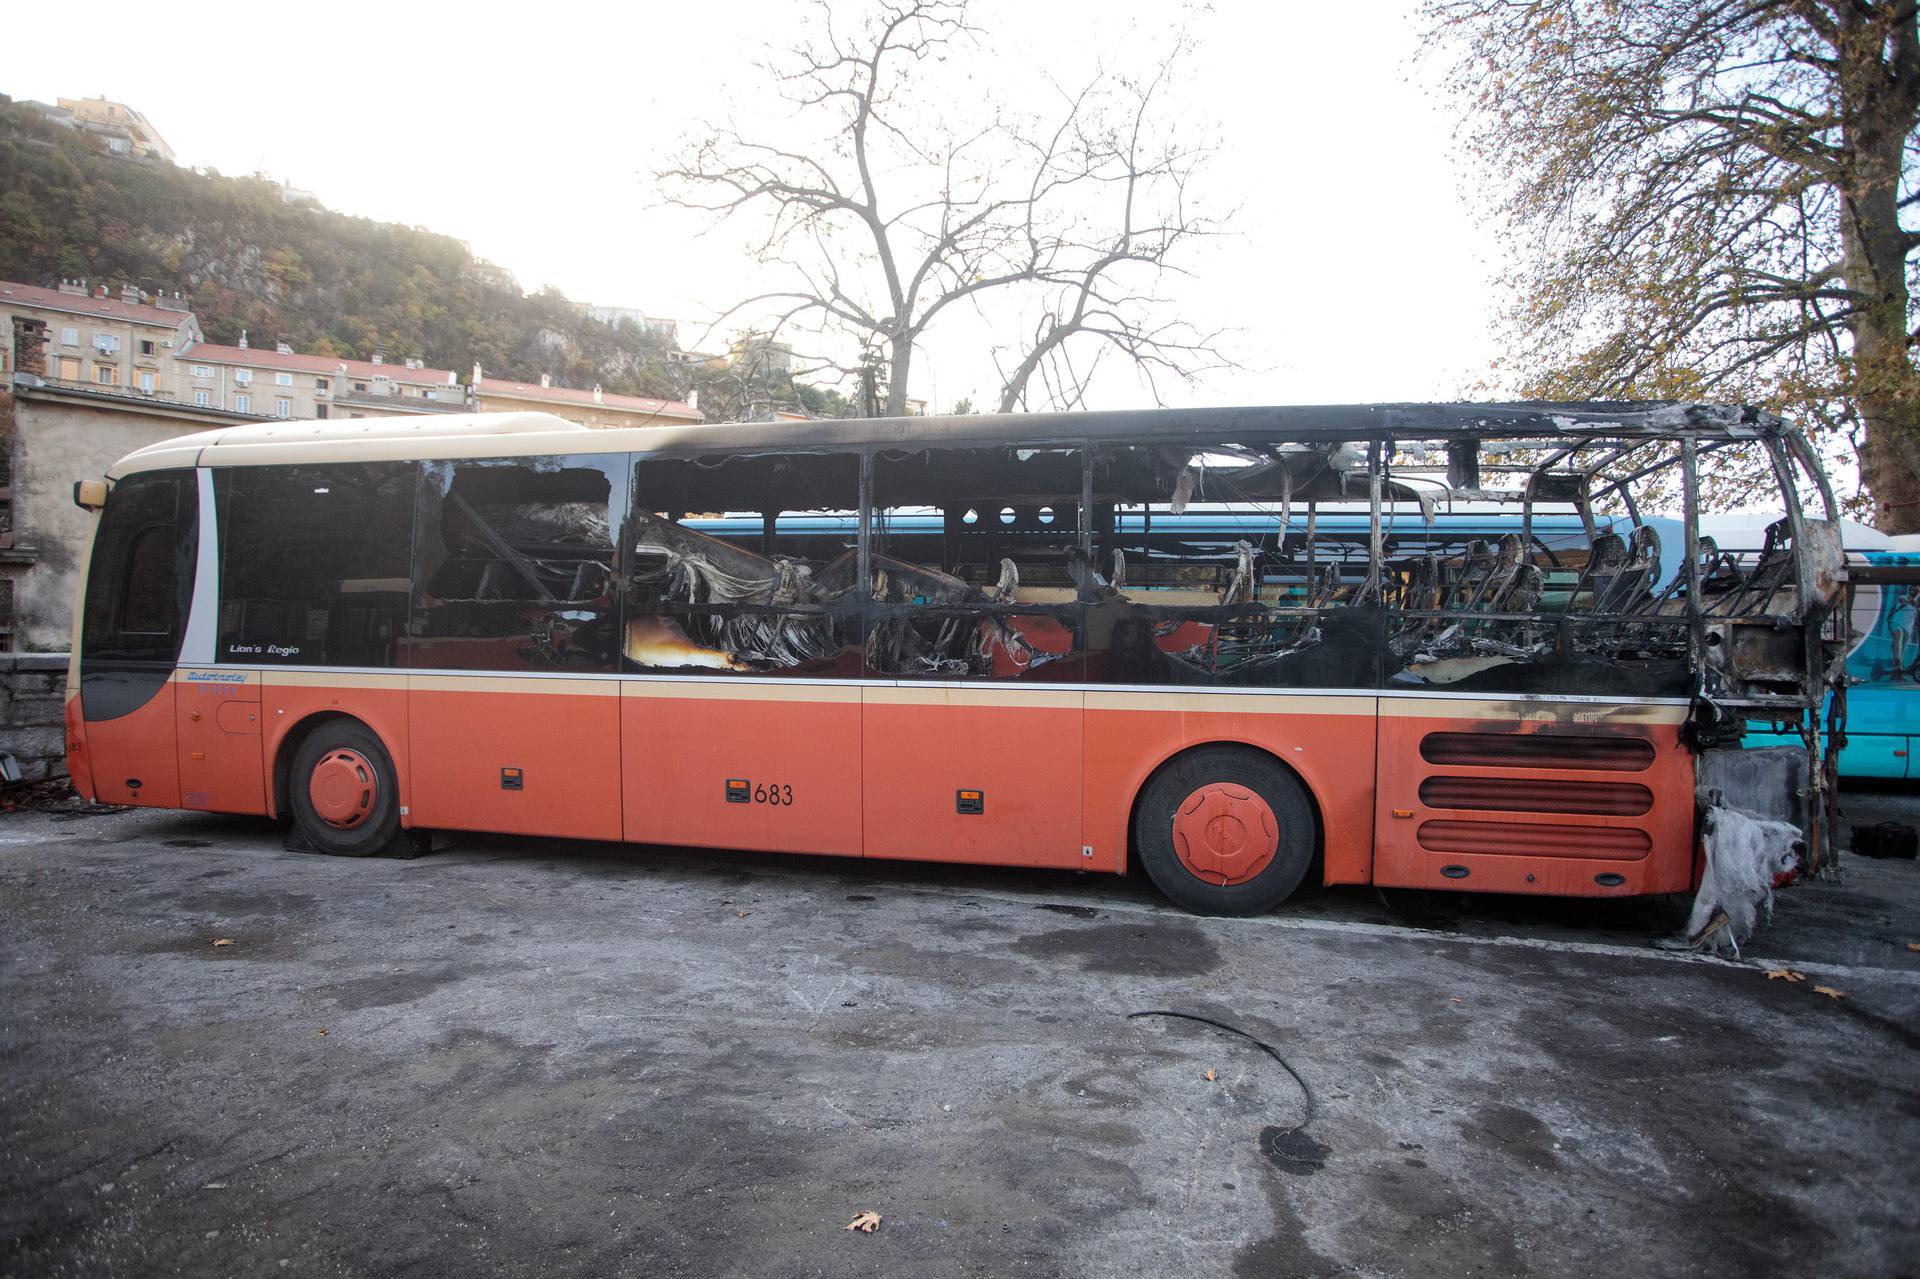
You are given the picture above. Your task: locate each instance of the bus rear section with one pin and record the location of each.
(1229, 650)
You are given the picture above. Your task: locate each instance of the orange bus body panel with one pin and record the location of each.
(1020, 749)
(682, 743)
(222, 769)
(79, 759)
(1327, 740)
(288, 698)
(140, 745)
(1647, 843)
(562, 735)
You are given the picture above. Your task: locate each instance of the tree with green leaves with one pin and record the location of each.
(1706, 198)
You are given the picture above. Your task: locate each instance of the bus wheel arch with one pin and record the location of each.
(335, 776)
(1225, 827)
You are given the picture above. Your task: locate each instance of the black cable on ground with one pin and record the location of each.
(1261, 1044)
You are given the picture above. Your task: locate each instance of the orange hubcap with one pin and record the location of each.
(1225, 834)
(344, 788)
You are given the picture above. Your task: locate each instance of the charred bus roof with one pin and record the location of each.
(1547, 424)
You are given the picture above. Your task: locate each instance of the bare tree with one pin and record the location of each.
(1707, 196)
(891, 214)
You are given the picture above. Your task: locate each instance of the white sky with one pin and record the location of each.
(1355, 270)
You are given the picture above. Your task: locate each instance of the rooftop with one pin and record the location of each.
(572, 395)
(261, 358)
(108, 308)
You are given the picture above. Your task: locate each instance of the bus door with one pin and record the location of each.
(1532, 796)
(973, 744)
(139, 589)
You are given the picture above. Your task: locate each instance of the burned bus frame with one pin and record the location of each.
(1757, 643)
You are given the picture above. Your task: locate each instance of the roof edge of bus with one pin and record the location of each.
(409, 437)
(332, 435)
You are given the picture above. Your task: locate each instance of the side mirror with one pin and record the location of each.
(89, 495)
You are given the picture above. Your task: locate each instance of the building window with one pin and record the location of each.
(201, 370)
(243, 404)
(282, 406)
(70, 337)
(283, 379)
(359, 386)
(146, 347)
(319, 386)
(106, 375)
(243, 376)
(200, 399)
(320, 411)
(145, 379)
(69, 368)
(106, 343)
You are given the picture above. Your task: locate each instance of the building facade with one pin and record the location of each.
(124, 342)
(124, 130)
(286, 384)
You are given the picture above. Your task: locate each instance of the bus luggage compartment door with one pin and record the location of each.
(984, 774)
(222, 769)
(772, 766)
(1570, 799)
(516, 754)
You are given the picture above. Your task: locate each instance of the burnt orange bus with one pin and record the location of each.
(1230, 646)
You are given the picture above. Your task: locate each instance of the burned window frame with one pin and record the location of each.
(563, 639)
(801, 629)
(961, 630)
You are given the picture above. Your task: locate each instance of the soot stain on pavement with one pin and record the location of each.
(387, 989)
(1518, 1133)
(1170, 948)
(1293, 1151)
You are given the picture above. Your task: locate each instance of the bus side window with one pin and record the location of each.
(743, 564)
(1223, 572)
(978, 571)
(313, 562)
(516, 565)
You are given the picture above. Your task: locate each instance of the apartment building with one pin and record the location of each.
(284, 383)
(122, 342)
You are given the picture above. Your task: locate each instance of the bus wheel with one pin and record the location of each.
(1224, 831)
(342, 789)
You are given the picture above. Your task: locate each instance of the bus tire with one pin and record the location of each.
(1225, 831)
(342, 789)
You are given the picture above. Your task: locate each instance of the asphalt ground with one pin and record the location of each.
(522, 1057)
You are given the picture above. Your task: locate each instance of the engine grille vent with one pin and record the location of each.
(1608, 843)
(1538, 750)
(1533, 795)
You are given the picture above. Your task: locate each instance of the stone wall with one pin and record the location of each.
(33, 713)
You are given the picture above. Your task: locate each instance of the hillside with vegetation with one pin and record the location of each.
(327, 282)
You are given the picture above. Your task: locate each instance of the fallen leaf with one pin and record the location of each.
(1913, 945)
(1209, 1074)
(223, 941)
(1829, 992)
(1775, 974)
(866, 1223)
(742, 914)
(323, 1030)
